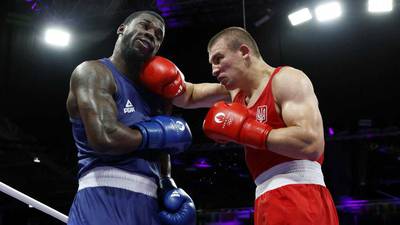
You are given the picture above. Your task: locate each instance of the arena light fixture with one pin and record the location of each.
(377, 6)
(328, 11)
(36, 160)
(57, 37)
(300, 16)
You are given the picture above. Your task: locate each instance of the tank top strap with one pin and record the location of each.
(275, 72)
(109, 65)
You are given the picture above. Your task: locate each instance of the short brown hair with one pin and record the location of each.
(235, 36)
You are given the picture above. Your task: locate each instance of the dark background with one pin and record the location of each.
(352, 61)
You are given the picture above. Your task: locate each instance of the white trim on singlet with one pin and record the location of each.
(117, 178)
(292, 172)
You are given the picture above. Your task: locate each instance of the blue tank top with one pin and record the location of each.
(134, 104)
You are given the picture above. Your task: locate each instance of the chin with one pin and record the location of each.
(229, 87)
(144, 54)
(134, 55)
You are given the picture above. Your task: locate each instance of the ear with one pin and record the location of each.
(121, 29)
(245, 51)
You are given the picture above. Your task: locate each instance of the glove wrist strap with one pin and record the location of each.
(254, 134)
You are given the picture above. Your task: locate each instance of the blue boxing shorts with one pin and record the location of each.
(111, 196)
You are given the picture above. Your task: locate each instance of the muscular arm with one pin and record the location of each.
(92, 86)
(202, 95)
(303, 138)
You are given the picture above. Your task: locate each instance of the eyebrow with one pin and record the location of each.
(146, 20)
(154, 24)
(149, 21)
(211, 58)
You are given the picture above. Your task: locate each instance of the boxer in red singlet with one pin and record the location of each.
(274, 114)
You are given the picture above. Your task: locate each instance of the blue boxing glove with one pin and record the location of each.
(168, 133)
(178, 207)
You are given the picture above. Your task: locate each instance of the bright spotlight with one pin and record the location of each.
(328, 11)
(300, 16)
(57, 37)
(36, 160)
(377, 6)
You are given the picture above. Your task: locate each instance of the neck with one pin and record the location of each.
(257, 76)
(130, 69)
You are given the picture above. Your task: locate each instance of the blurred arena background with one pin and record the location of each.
(352, 60)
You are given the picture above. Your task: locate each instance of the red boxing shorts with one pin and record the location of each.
(294, 193)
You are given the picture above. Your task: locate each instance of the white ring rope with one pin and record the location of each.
(34, 203)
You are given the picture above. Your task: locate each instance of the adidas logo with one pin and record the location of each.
(129, 107)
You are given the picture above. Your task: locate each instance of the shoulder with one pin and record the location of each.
(290, 74)
(291, 83)
(92, 70)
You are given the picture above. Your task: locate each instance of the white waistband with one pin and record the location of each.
(117, 178)
(292, 172)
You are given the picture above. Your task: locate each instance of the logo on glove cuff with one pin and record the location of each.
(175, 194)
(179, 90)
(219, 117)
(180, 125)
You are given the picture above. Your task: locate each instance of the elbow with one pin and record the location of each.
(315, 148)
(100, 144)
(314, 154)
(102, 141)
(315, 151)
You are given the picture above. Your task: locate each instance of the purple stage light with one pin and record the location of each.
(36, 5)
(349, 204)
(167, 9)
(228, 223)
(201, 163)
(33, 7)
(331, 131)
(245, 213)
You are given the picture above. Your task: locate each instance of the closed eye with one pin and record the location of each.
(144, 25)
(216, 59)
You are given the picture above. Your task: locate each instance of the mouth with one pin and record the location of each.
(221, 79)
(145, 44)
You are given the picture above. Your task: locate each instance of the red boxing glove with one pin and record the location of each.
(162, 76)
(232, 122)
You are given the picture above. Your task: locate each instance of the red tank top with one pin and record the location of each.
(264, 111)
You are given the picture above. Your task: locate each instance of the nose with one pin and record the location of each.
(150, 35)
(215, 71)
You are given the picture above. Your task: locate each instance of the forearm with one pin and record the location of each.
(165, 165)
(117, 139)
(201, 95)
(296, 142)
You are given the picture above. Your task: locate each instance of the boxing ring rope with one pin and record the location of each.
(34, 203)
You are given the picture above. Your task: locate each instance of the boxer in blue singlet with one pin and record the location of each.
(124, 137)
